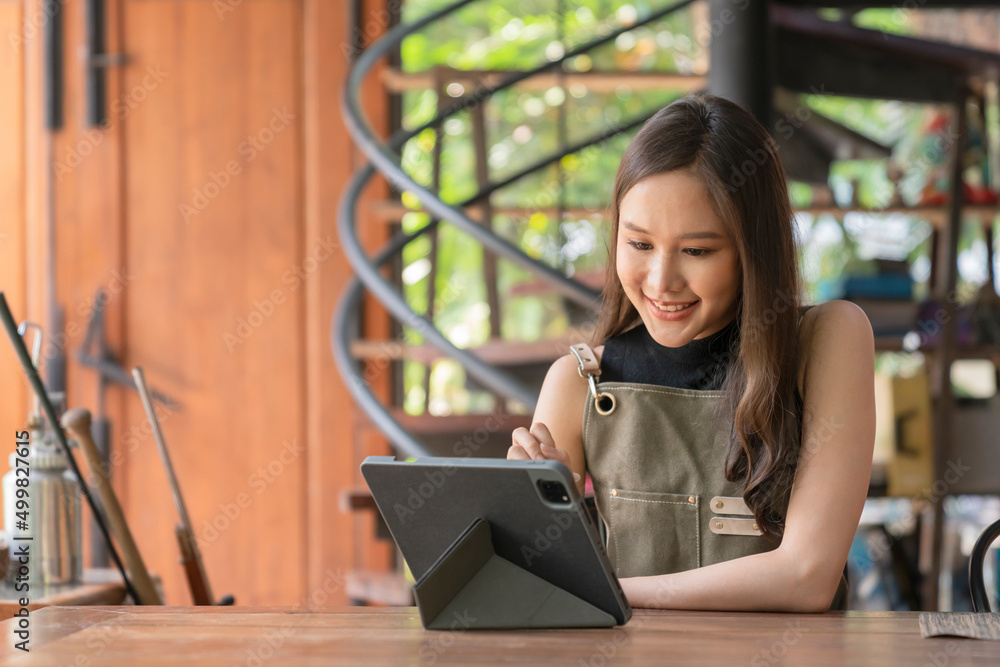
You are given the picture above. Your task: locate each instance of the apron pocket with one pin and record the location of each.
(653, 533)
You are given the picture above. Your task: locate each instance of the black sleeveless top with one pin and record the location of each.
(633, 356)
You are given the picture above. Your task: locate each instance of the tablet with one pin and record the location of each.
(535, 513)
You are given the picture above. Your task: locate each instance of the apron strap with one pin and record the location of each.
(586, 359)
(604, 402)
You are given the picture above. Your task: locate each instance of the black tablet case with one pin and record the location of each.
(487, 551)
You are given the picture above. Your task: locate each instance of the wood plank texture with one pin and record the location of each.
(352, 636)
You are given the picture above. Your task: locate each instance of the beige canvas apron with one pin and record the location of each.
(657, 465)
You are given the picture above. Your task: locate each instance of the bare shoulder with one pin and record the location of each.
(834, 330)
(835, 319)
(564, 373)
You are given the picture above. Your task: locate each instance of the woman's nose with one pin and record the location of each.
(665, 276)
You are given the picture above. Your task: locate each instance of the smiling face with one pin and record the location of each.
(674, 250)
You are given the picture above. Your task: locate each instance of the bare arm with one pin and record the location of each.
(828, 492)
(558, 420)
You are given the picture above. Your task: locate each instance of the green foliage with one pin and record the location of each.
(522, 127)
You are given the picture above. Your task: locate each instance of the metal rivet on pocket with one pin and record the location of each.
(691, 499)
(719, 504)
(614, 492)
(718, 524)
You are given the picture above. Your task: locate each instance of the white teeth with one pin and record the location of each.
(673, 309)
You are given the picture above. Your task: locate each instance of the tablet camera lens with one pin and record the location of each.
(554, 492)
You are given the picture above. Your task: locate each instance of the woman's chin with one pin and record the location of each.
(678, 336)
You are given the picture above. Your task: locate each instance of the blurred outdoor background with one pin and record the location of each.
(195, 171)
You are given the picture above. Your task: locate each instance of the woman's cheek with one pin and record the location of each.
(626, 269)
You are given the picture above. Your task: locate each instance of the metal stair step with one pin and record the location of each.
(387, 211)
(475, 435)
(392, 211)
(591, 278)
(498, 352)
(460, 424)
(397, 81)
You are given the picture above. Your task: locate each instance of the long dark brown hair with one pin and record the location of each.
(737, 161)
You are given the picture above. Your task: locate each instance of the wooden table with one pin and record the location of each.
(259, 636)
(99, 587)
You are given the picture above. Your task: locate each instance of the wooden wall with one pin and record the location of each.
(13, 197)
(206, 207)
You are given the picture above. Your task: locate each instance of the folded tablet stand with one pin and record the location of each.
(470, 586)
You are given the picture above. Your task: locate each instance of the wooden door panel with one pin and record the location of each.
(212, 199)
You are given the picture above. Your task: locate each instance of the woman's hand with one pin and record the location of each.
(537, 444)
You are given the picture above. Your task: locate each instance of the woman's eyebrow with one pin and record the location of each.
(701, 235)
(690, 235)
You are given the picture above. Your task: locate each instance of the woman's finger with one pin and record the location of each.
(517, 453)
(541, 432)
(528, 442)
(549, 449)
(556, 454)
(548, 445)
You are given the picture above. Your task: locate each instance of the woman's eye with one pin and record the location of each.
(697, 252)
(639, 245)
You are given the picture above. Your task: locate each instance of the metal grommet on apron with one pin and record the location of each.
(604, 402)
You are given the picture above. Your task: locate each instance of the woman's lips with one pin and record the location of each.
(667, 316)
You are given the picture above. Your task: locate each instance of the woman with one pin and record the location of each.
(733, 464)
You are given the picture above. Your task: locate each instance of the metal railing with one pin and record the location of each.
(385, 159)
